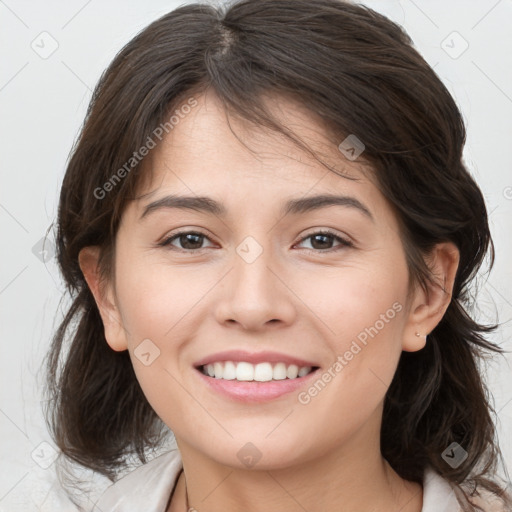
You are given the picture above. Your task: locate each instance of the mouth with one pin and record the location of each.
(243, 371)
(264, 381)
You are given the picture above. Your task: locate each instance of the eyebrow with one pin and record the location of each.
(294, 206)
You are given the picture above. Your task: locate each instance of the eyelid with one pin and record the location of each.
(166, 240)
(345, 241)
(326, 231)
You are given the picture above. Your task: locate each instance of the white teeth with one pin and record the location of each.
(292, 371)
(261, 372)
(279, 371)
(217, 367)
(229, 371)
(244, 371)
(304, 371)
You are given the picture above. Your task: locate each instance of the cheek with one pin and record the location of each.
(154, 298)
(158, 307)
(358, 301)
(155, 314)
(363, 312)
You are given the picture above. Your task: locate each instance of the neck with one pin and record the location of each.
(335, 482)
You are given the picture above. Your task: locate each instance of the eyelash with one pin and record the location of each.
(344, 243)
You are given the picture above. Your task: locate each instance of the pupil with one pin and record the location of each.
(323, 237)
(188, 241)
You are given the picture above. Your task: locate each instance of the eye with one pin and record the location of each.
(189, 240)
(321, 240)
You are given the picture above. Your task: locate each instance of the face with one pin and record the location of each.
(323, 286)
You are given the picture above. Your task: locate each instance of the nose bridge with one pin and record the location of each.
(255, 294)
(253, 277)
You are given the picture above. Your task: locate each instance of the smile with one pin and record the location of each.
(248, 383)
(261, 372)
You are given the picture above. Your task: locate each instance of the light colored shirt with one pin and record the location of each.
(148, 488)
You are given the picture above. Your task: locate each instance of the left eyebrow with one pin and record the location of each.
(294, 206)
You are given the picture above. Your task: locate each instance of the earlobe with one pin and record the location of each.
(115, 334)
(430, 305)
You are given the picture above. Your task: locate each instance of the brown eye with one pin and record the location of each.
(323, 240)
(189, 240)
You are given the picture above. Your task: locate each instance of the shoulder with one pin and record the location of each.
(488, 502)
(440, 495)
(147, 487)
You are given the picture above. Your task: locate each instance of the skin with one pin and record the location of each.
(298, 297)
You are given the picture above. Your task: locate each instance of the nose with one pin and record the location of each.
(255, 295)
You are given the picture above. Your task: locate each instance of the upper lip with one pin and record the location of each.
(253, 358)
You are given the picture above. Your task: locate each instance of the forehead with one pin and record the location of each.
(244, 166)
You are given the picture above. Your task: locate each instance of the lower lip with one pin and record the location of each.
(253, 391)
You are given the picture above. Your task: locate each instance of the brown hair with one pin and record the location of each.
(358, 72)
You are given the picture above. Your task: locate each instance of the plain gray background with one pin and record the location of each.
(52, 54)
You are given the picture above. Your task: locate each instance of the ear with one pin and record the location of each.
(428, 307)
(104, 296)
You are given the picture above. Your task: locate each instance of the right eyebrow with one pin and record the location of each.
(293, 207)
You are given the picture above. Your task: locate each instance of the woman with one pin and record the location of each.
(269, 233)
